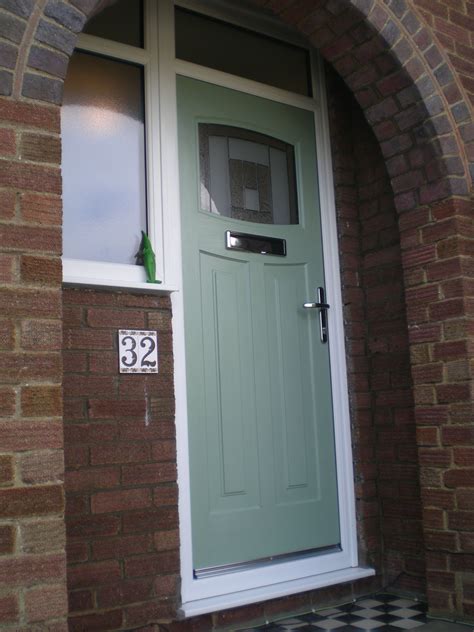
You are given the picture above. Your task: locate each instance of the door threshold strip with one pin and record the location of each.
(266, 561)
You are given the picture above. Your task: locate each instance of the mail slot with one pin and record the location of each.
(258, 244)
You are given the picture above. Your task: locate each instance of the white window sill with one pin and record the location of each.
(112, 276)
(151, 288)
(273, 591)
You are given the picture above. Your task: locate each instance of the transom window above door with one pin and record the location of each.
(246, 175)
(204, 40)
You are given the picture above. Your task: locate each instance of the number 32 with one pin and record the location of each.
(130, 358)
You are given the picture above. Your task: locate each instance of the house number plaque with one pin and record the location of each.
(138, 351)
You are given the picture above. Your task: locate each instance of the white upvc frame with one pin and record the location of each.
(209, 594)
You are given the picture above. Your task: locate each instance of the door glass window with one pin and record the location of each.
(238, 51)
(246, 175)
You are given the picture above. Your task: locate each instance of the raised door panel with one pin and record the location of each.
(301, 411)
(289, 342)
(229, 420)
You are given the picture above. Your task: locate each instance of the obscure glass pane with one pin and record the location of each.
(122, 22)
(246, 175)
(231, 49)
(103, 159)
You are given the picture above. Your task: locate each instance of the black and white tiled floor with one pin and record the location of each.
(381, 613)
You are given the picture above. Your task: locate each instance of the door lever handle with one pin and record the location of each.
(323, 317)
(316, 305)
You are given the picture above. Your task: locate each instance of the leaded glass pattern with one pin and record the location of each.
(246, 175)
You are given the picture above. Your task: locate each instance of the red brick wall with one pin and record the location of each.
(452, 22)
(441, 355)
(382, 406)
(389, 377)
(120, 457)
(341, 112)
(32, 560)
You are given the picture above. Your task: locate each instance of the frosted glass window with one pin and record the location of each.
(246, 175)
(103, 136)
(215, 44)
(122, 22)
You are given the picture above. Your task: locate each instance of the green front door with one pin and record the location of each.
(262, 463)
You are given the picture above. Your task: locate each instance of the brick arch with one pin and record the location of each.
(403, 83)
(390, 61)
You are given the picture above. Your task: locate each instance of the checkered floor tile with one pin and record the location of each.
(380, 613)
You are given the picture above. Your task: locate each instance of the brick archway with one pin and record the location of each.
(419, 111)
(401, 77)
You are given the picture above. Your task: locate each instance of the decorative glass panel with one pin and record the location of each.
(122, 22)
(246, 175)
(103, 135)
(215, 44)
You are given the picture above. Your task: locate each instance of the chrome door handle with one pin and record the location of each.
(323, 317)
(316, 306)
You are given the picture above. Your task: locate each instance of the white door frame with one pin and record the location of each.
(209, 594)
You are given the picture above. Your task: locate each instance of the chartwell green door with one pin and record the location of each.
(262, 462)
